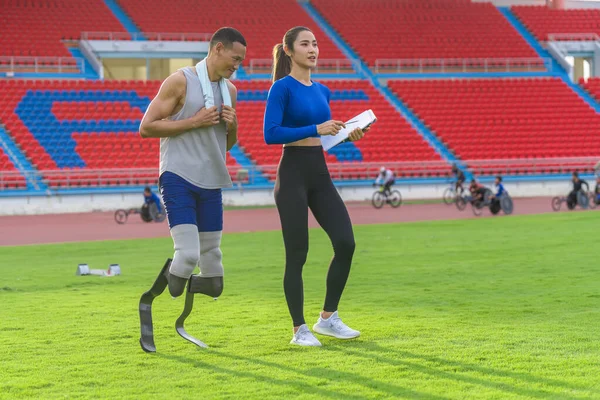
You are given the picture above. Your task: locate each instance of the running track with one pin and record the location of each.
(57, 228)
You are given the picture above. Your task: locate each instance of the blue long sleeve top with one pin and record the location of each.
(500, 190)
(154, 199)
(294, 110)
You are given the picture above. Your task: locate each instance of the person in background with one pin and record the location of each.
(386, 178)
(477, 190)
(152, 198)
(460, 179)
(577, 187)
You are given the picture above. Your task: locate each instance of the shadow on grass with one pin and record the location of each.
(297, 385)
(333, 374)
(395, 357)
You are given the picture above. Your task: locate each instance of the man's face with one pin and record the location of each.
(229, 58)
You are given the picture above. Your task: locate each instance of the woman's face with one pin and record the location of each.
(306, 51)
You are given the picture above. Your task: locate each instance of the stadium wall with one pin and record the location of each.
(77, 202)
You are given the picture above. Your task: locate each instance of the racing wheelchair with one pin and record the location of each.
(148, 213)
(582, 199)
(594, 201)
(451, 194)
(504, 203)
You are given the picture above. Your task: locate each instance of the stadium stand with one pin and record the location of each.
(263, 23)
(85, 132)
(65, 125)
(392, 140)
(505, 119)
(429, 29)
(542, 21)
(592, 85)
(13, 179)
(41, 27)
(81, 125)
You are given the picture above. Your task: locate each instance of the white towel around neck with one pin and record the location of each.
(209, 97)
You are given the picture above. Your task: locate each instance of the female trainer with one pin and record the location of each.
(297, 114)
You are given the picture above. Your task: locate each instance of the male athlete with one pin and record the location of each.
(194, 116)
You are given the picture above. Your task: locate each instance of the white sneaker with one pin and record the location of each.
(333, 326)
(304, 337)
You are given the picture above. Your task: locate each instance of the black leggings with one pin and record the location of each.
(303, 182)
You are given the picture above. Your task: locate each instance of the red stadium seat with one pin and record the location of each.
(505, 118)
(263, 23)
(542, 20)
(423, 29)
(43, 27)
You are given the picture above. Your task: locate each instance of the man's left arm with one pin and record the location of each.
(157, 202)
(500, 190)
(230, 117)
(587, 186)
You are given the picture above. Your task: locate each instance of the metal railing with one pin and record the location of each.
(154, 36)
(451, 65)
(541, 166)
(42, 64)
(324, 66)
(241, 176)
(573, 37)
(10, 180)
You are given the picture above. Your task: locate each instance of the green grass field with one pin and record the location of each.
(502, 308)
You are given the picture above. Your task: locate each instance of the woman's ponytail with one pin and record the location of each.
(282, 64)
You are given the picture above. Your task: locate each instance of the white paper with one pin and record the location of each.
(362, 120)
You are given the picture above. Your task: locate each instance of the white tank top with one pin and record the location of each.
(198, 155)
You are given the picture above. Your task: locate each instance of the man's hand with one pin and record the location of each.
(230, 117)
(206, 117)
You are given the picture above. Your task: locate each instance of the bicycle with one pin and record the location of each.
(451, 196)
(380, 198)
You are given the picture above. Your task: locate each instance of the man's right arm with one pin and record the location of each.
(155, 123)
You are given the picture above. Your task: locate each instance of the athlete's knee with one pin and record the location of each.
(296, 258)
(187, 250)
(211, 256)
(188, 256)
(344, 245)
(214, 254)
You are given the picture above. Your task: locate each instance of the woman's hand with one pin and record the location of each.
(331, 127)
(357, 134)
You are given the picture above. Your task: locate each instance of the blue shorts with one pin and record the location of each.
(189, 204)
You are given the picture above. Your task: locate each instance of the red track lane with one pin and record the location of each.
(57, 228)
